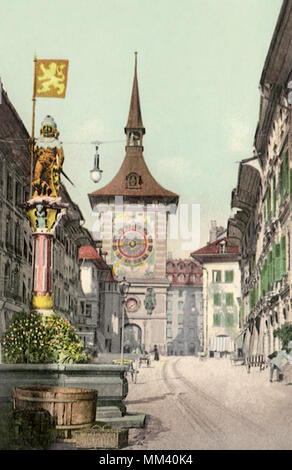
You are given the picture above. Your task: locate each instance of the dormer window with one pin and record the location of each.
(134, 181)
(222, 247)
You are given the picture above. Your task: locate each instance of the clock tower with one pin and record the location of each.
(134, 210)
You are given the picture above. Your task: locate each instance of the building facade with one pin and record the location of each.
(99, 309)
(15, 234)
(184, 322)
(262, 226)
(221, 295)
(134, 212)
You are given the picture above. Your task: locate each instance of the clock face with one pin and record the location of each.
(132, 305)
(132, 246)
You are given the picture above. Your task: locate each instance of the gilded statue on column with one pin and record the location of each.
(49, 159)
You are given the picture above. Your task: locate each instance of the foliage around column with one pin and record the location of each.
(36, 339)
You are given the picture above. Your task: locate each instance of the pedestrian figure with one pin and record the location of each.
(156, 354)
(134, 371)
(276, 363)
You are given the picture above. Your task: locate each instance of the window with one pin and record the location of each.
(228, 276)
(283, 177)
(181, 266)
(169, 305)
(217, 299)
(9, 187)
(180, 293)
(229, 319)
(283, 255)
(88, 310)
(181, 278)
(18, 193)
(222, 247)
(180, 319)
(168, 318)
(229, 299)
(180, 305)
(216, 319)
(216, 276)
(169, 332)
(180, 332)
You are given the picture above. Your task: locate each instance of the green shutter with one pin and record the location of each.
(274, 195)
(217, 299)
(228, 276)
(283, 256)
(281, 182)
(277, 262)
(270, 270)
(286, 166)
(265, 276)
(229, 319)
(229, 299)
(251, 299)
(273, 263)
(216, 319)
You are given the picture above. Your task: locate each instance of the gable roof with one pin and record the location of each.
(88, 252)
(212, 251)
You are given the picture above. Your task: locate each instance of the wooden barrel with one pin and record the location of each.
(72, 408)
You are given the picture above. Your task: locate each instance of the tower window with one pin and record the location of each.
(133, 180)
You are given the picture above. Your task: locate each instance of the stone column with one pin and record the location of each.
(42, 295)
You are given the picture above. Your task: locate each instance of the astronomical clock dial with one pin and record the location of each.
(132, 243)
(132, 246)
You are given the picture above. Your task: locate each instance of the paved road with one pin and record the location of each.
(211, 404)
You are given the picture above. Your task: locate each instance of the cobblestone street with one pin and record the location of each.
(211, 404)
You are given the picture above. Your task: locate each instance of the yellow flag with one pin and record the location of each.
(51, 78)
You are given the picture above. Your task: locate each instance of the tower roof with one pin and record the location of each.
(135, 115)
(134, 180)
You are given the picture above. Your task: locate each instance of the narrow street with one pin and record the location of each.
(209, 405)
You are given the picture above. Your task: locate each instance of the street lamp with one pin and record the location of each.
(124, 289)
(96, 172)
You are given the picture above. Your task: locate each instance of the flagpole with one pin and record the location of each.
(33, 122)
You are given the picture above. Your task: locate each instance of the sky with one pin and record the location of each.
(199, 67)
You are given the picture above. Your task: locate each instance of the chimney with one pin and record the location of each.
(213, 231)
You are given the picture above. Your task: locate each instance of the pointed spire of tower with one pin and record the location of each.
(134, 129)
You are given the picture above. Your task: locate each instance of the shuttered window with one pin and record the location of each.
(270, 270)
(216, 319)
(284, 177)
(229, 319)
(228, 276)
(283, 255)
(229, 299)
(274, 195)
(277, 262)
(217, 299)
